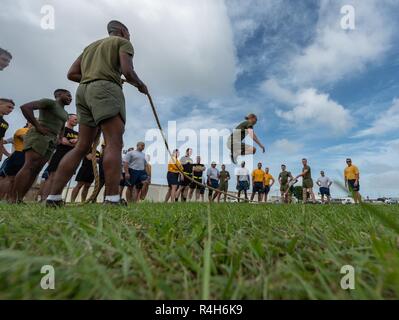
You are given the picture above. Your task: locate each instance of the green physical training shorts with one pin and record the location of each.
(307, 184)
(98, 101)
(284, 187)
(223, 187)
(43, 145)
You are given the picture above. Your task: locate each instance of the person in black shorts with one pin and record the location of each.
(84, 178)
(68, 142)
(198, 172)
(187, 164)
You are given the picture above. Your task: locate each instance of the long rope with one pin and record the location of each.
(154, 111)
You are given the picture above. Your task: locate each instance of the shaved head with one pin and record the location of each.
(115, 27)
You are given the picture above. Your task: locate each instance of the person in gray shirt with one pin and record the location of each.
(134, 165)
(213, 175)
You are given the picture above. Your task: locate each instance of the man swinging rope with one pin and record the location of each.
(100, 104)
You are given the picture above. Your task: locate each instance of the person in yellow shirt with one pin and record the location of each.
(258, 183)
(174, 174)
(14, 163)
(352, 180)
(269, 182)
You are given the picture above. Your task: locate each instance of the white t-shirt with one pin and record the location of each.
(242, 174)
(324, 182)
(136, 160)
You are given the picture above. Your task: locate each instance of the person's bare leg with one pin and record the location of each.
(72, 159)
(76, 190)
(5, 184)
(167, 197)
(129, 194)
(173, 193)
(25, 178)
(113, 130)
(312, 196)
(304, 195)
(85, 191)
(259, 197)
(47, 186)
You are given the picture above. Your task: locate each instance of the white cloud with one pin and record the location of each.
(336, 53)
(310, 108)
(286, 147)
(385, 123)
(277, 92)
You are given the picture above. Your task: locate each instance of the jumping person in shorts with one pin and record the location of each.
(324, 183)
(14, 163)
(41, 140)
(100, 104)
(352, 178)
(67, 143)
(224, 177)
(258, 183)
(307, 181)
(236, 140)
(198, 172)
(284, 178)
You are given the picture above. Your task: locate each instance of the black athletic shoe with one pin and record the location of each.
(55, 204)
(121, 202)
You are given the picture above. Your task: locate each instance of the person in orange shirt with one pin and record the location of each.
(268, 178)
(175, 170)
(14, 163)
(352, 178)
(258, 183)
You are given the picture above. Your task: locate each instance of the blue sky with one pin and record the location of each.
(320, 92)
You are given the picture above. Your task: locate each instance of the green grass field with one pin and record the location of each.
(192, 251)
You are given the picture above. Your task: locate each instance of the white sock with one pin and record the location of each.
(116, 198)
(54, 197)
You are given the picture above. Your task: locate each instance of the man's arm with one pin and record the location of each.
(75, 71)
(131, 76)
(28, 109)
(273, 181)
(254, 137)
(126, 169)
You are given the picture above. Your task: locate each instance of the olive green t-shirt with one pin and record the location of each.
(100, 60)
(224, 175)
(242, 130)
(308, 175)
(52, 115)
(284, 175)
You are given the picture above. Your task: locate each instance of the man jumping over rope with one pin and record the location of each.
(100, 104)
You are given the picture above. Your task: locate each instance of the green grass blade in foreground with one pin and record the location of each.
(206, 276)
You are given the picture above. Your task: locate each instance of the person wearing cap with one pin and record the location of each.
(236, 140)
(352, 178)
(213, 176)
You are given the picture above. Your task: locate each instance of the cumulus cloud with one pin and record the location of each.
(385, 123)
(336, 53)
(309, 108)
(183, 48)
(286, 147)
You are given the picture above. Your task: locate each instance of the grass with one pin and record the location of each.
(193, 251)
